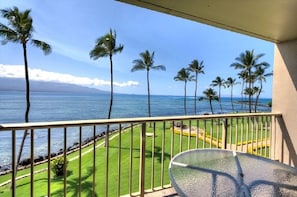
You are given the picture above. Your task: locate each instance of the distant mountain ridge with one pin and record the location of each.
(18, 84)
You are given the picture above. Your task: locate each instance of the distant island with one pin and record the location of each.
(18, 84)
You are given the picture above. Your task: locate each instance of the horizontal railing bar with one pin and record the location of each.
(53, 124)
(241, 131)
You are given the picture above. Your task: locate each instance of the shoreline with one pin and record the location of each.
(26, 162)
(252, 103)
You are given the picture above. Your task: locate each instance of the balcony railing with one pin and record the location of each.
(129, 159)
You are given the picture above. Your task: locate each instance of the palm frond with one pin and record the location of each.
(138, 61)
(138, 67)
(183, 75)
(106, 46)
(196, 67)
(209, 94)
(8, 34)
(146, 62)
(159, 67)
(98, 52)
(118, 49)
(46, 48)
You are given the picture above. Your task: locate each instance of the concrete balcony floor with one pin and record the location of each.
(164, 192)
(168, 192)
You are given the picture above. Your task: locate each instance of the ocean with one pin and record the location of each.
(56, 106)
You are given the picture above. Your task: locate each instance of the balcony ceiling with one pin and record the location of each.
(271, 20)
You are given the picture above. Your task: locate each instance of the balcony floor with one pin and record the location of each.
(168, 192)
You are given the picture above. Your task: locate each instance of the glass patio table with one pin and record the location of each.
(216, 172)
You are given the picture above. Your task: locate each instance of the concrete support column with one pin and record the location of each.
(285, 101)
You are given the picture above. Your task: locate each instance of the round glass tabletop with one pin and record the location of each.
(216, 172)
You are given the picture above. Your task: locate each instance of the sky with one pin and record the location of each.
(71, 27)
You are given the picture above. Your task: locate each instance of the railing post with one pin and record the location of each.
(14, 165)
(224, 134)
(65, 161)
(32, 163)
(107, 159)
(142, 160)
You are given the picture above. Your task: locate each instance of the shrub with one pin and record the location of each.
(58, 166)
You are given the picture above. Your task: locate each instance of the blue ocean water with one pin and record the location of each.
(56, 106)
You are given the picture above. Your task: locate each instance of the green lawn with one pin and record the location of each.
(120, 146)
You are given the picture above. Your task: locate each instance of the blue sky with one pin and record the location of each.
(71, 28)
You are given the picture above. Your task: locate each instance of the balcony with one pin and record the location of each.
(132, 158)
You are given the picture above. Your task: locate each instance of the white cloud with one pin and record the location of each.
(70, 51)
(17, 71)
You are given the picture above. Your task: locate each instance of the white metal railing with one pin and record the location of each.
(135, 159)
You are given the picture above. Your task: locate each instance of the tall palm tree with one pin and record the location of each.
(105, 46)
(147, 63)
(210, 95)
(248, 62)
(261, 77)
(220, 82)
(242, 75)
(197, 68)
(231, 82)
(20, 30)
(185, 76)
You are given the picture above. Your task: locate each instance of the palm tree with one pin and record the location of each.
(210, 95)
(248, 62)
(242, 75)
(231, 82)
(197, 68)
(20, 30)
(147, 63)
(185, 76)
(220, 83)
(105, 46)
(261, 77)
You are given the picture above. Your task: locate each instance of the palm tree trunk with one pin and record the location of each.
(258, 95)
(185, 98)
(195, 99)
(246, 97)
(148, 94)
(106, 144)
(242, 89)
(28, 104)
(232, 98)
(250, 96)
(250, 103)
(210, 103)
(220, 99)
(111, 99)
(111, 87)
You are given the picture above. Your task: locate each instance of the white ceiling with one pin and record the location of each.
(271, 20)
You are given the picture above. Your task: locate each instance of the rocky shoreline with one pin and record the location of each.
(26, 162)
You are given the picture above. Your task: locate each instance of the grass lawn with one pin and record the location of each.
(159, 151)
